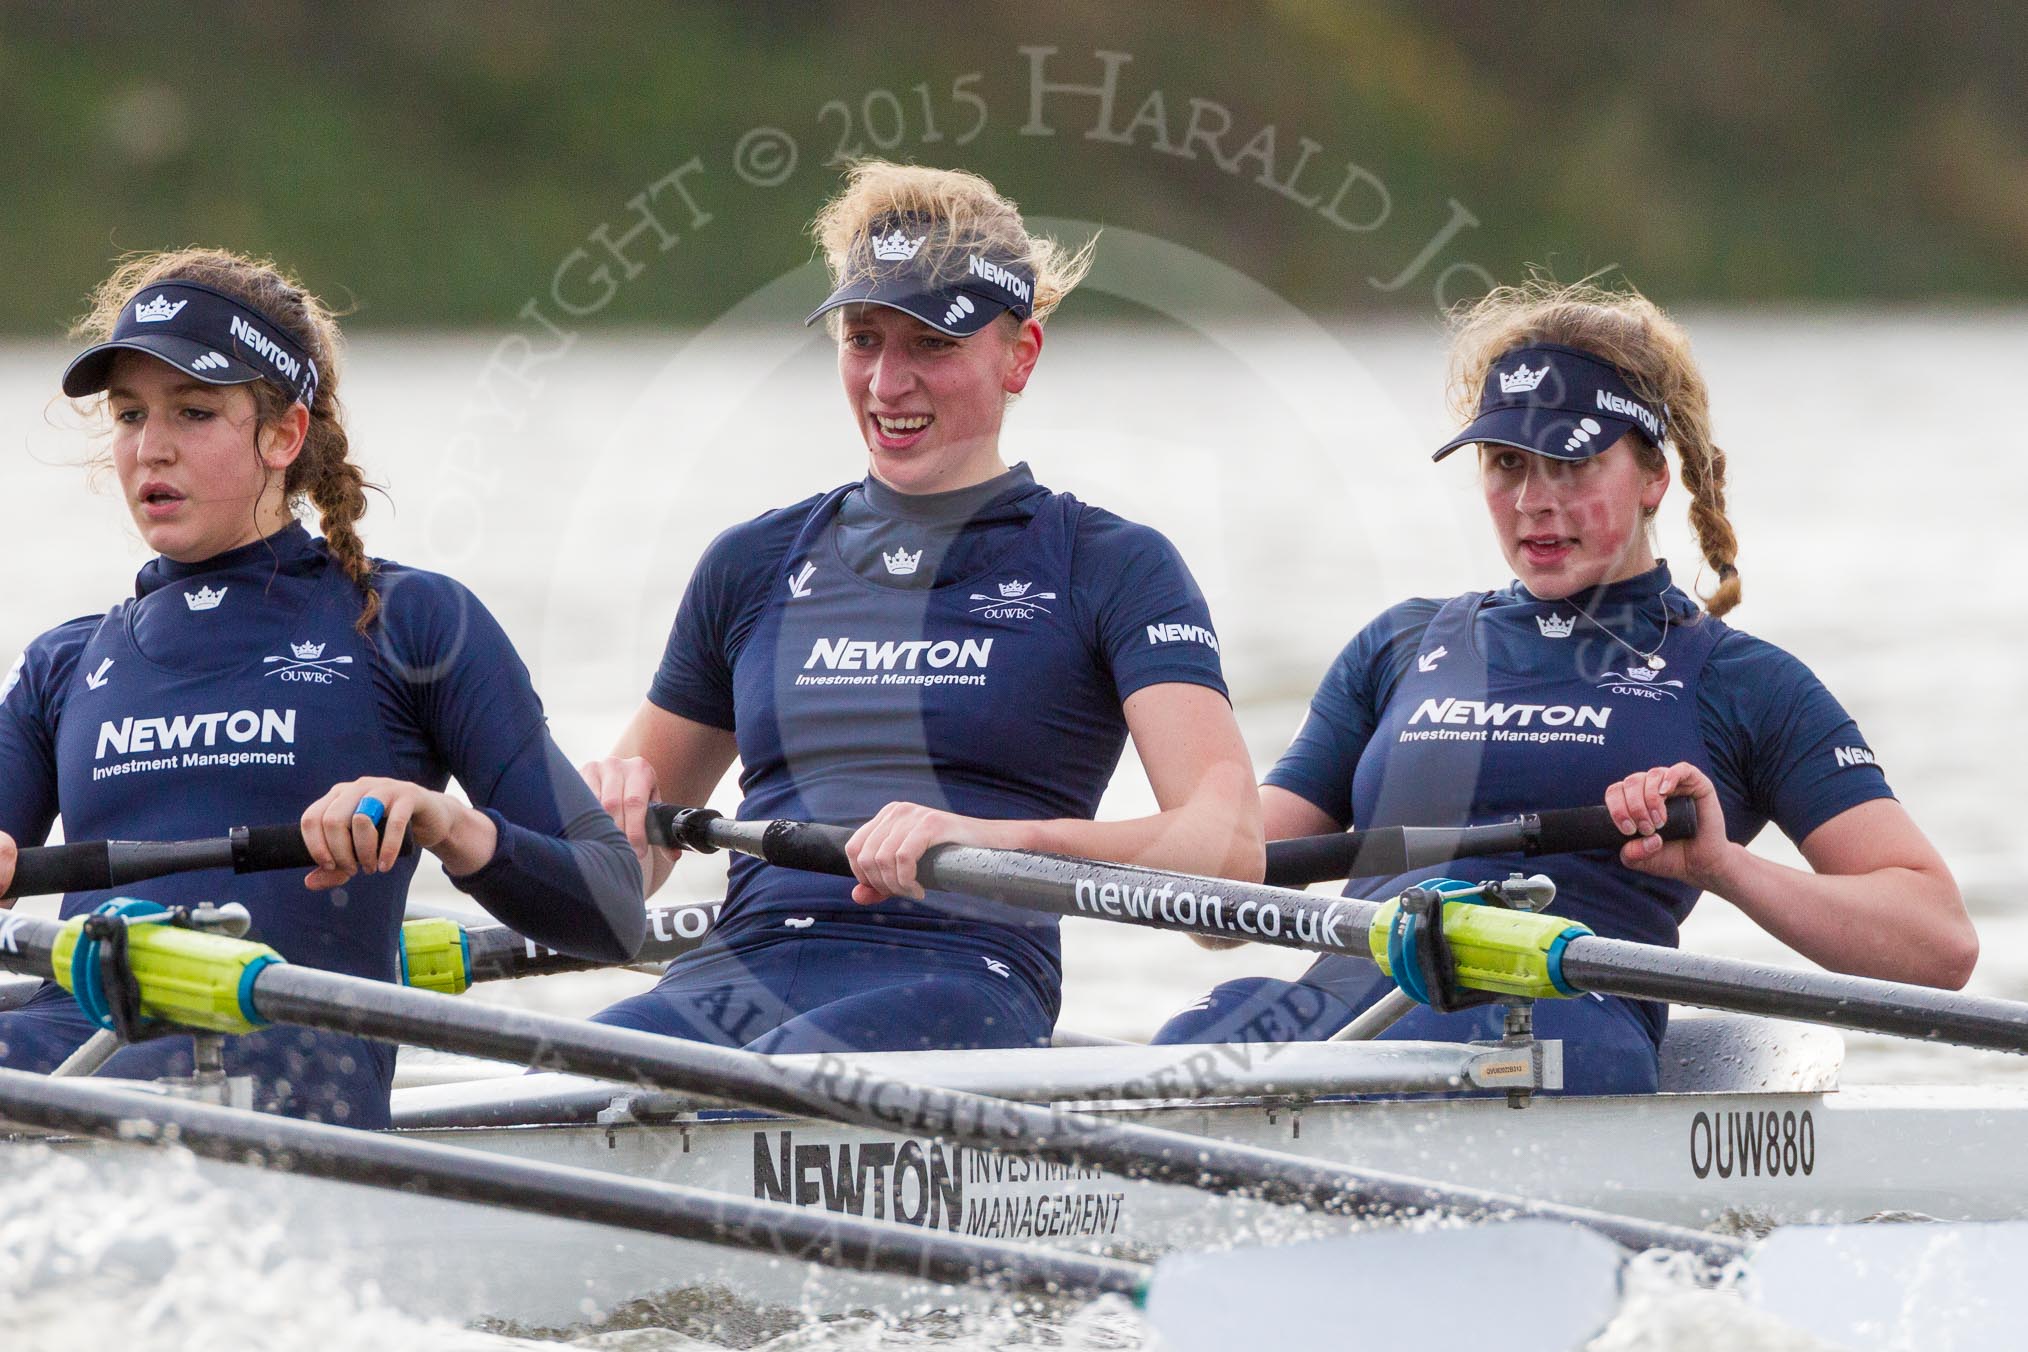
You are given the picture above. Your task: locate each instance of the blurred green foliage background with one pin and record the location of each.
(433, 164)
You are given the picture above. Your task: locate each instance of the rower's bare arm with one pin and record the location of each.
(8, 854)
(1284, 815)
(1208, 822)
(659, 756)
(1879, 901)
(1289, 815)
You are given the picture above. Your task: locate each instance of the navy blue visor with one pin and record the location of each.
(1560, 402)
(978, 290)
(203, 333)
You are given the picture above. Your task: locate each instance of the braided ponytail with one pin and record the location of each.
(1650, 349)
(322, 475)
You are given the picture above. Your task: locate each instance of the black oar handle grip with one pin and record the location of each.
(810, 846)
(258, 849)
(93, 865)
(40, 870)
(1571, 829)
(1403, 849)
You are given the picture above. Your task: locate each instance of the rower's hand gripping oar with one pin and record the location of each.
(1386, 850)
(92, 865)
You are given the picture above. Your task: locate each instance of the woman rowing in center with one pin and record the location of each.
(262, 674)
(1573, 393)
(944, 651)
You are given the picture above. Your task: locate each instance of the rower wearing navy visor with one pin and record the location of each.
(261, 674)
(1594, 678)
(944, 651)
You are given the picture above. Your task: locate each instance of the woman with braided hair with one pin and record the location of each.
(262, 674)
(1594, 678)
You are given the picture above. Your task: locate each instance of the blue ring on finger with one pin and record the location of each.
(372, 809)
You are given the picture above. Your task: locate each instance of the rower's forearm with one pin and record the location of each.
(578, 892)
(1895, 924)
(1222, 842)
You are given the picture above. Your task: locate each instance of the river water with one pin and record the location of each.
(1874, 505)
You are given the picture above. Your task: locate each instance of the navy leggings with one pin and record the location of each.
(815, 994)
(1606, 1045)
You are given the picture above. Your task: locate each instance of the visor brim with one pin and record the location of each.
(1541, 431)
(91, 370)
(957, 313)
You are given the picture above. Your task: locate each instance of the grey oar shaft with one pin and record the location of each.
(1261, 914)
(833, 1089)
(1641, 972)
(383, 1161)
(499, 953)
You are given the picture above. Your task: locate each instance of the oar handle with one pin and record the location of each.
(1402, 849)
(92, 865)
(818, 848)
(810, 846)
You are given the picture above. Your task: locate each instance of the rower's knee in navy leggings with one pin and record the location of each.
(1259, 1009)
(945, 1011)
(1606, 1047)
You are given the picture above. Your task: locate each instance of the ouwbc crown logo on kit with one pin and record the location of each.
(1644, 682)
(204, 598)
(307, 662)
(1017, 600)
(1556, 626)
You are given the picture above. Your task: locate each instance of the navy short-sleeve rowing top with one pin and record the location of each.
(1468, 710)
(968, 651)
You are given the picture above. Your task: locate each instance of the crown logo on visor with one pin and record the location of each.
(1521, 380)
(158, 310)
(1556, 626)
(901, 563)
(896, 247)
(204, 598)
(307, 652)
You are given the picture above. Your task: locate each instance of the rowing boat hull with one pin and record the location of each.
(1739, 1158)
(1949, 1154)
